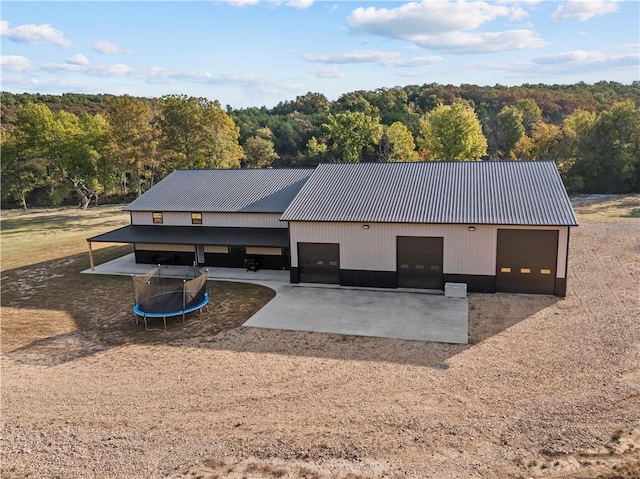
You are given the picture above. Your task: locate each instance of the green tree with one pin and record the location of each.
(397, 144)
(610, 158)
(20, 170)
(70, 146)
(316, 150)
(452, 132)
(531, 113)
(352, 134)
(78, 144)
(132, 143)
(259, 152)
(510, 129)
(575, 131)
(197, 133)
(311, 103)
(355, 102)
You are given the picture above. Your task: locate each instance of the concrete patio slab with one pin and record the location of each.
(385, 314)
(126, 266)
(399, 314)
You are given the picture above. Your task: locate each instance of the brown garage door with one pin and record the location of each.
(420, 262)
(526, 261)
(319, 263)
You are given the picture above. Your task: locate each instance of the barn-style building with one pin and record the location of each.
(496, 226)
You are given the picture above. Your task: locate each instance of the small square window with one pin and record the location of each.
(196, 218)
(545, 271)
(505, 270)
(157, 218)
(525, 270)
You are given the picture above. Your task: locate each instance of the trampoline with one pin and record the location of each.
(167, 292)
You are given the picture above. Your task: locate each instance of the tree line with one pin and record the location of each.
(61, 149)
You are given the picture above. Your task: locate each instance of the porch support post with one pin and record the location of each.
(91, 256)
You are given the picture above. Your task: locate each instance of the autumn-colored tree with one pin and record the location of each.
(541, 145)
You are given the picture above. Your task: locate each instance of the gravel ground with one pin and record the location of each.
(548, 388)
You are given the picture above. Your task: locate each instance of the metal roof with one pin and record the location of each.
(224, 191)
(197, 235)
(487, 192)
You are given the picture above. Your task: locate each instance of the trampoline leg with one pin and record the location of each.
(146, 326)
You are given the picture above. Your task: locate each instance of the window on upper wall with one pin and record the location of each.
(196, 218)
(157, 218)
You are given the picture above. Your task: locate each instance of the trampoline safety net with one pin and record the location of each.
(157, 294)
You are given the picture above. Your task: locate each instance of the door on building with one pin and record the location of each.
(526, 261)
(420, 262)
(319, 263)
(200, 253)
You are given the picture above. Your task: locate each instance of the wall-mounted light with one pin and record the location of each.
(365, 227)
(472, 228)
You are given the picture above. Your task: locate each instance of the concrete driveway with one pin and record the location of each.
(385, 314)
(400, 314)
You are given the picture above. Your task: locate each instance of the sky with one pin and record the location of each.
(247, 53)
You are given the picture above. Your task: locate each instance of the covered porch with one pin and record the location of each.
(222, 247)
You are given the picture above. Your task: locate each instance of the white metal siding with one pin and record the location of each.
(266, 251)
(247, 220)
(165, 247)
(216, 249)
(374, 249)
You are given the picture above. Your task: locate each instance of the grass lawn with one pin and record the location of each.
(607, 208)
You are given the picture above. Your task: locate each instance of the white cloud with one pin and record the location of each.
(110, 70)
(34, 34)
(427, 17)
(78, 59)
(301, 4)
(489, 42)
(518, 13)
(412, 62)
(446, 25)
(102, 46)
(518, 2)
(580, 60)
(386, 59)
(63, 67)
(96, 70)
(15, 64)
(356, 56)
(577, 61)
(584, 9)
(163, 75)
(328, 73)
(241, 3)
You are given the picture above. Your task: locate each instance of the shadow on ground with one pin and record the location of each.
(52, 314)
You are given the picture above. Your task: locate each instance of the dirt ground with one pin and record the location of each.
(547, 387)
